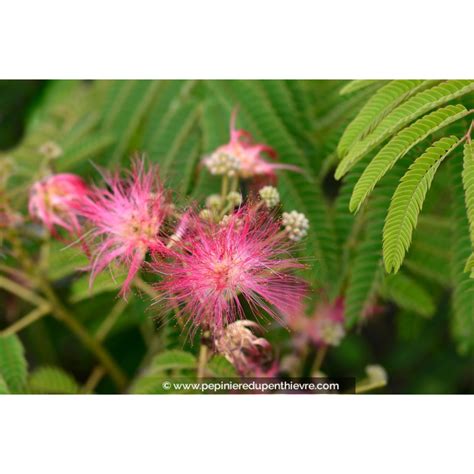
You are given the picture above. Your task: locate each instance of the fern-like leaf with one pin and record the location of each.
(468, 182)
(13, 366)
(408, 200)
(399, 146)
(406, 113)
(356, 85)
(463, 292)
(379, 105)
(408, 294)
(52, 380)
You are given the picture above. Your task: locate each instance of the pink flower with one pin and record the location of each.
(245, 255)
(55, 200)
(324, 327)
(248, 156)
(126, 219)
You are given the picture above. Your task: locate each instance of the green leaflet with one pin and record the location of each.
(399, 146)
(468, 182)
(463, 291)
(127, 104)
(13, 365)
(366, 270)
(52, 380)
(408, 111)
(377, 107)
(408, 294)
(356, 85)
(408, 200)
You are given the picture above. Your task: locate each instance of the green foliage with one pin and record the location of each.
(13, 365)
(399, 147)
(463, 293)
(172, 360)
(377, 107)
(52, 380)
(468, 181)
(407, 293)
(401, 116)
(407, 202)
(219, 366)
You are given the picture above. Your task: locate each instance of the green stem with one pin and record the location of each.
(202, 361)
(320, 355)
(21, 291)
(84, 336)
(30, 318)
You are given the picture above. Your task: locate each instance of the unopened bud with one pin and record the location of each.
(214, 201)
(270, 196)
(206, 215)
(234, 198)
(50, 150)
(222, 164)
(295, 224)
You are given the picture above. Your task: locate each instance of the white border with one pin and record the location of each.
(236, 39)
(235, 434)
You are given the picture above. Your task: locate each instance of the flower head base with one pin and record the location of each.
(126, 220)
(55, 201)
(296, 225)
(244, 256)
(249, 354)
(248, 155)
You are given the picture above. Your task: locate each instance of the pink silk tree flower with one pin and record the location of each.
(244, 255)
(324, 327)
(55, 201)
(126, 220)
(243, 157)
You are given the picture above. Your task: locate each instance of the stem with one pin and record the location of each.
(110, 320)
(225, 186)
(60, 311)
(108, 323)
(84, 336)
(94, 378)
(21, 291)
(201, 370)
(320, 355)
(30, 318)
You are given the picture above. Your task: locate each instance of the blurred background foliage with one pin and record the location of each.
(175, 123)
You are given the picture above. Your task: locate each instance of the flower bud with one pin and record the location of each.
(296, 225)
(234, 198)
(50, 150)
(206, 215)
(270, 196)
(222, 164)
(376, 374)
(214, 201)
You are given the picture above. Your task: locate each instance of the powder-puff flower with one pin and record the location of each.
(243, 157)
(244, 255)
(126, 219)
(55, 201)
(324, 327)
(250, 354)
